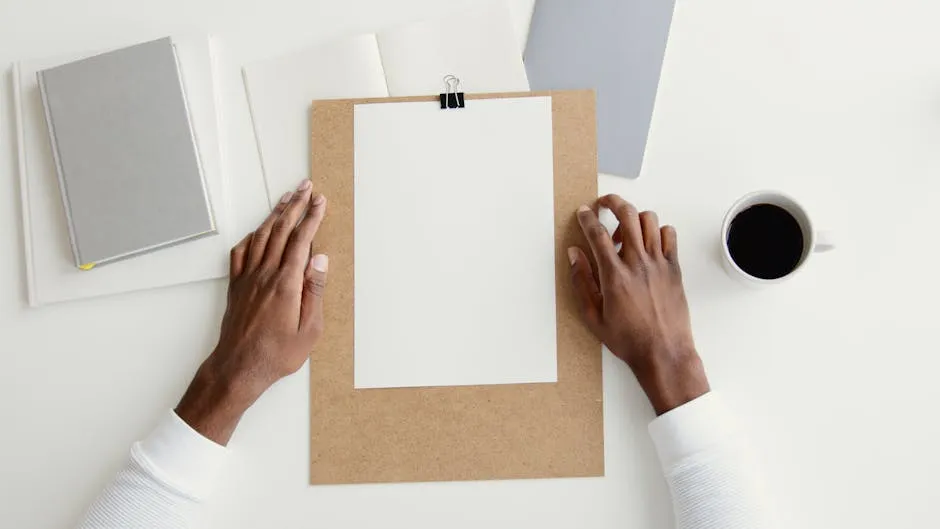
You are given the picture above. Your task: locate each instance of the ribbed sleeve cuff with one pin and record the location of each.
(694, 427)
(181, 457)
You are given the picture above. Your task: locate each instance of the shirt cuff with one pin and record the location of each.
(181, 457)
(696, 426)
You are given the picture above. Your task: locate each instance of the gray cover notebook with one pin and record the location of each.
(124, 149)
(615, 47)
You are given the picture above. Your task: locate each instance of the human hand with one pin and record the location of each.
(273, 318)
(636, 303)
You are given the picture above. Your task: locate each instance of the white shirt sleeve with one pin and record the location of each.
(169, 475)
(709, 471)
(704, 460)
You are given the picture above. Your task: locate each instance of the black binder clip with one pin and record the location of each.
(451, 98)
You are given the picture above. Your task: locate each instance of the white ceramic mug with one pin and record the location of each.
(814, 240)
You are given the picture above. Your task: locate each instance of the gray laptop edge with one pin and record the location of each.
(615, 47)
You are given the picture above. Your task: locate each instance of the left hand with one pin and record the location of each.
(273, 319)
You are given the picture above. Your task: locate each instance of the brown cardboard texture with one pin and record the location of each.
(454, 433)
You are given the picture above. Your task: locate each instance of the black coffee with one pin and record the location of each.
(766, 241)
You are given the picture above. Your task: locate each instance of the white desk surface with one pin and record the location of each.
(834, 373)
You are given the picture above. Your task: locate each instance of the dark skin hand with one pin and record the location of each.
(273, 318)
(635, 303)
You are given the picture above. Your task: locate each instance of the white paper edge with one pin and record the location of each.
(24, 187)
(257, 136)
(225, 186)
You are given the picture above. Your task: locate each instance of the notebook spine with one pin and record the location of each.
(63, 189)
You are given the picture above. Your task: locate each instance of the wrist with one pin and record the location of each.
(212, 405)
(671, 378)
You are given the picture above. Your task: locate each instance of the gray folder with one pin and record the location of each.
(125, 153)
(615, 47)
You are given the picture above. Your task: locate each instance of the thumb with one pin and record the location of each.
(586, 291)
(311, 302)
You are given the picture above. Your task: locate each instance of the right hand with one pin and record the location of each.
(636, 304)
(273, 318)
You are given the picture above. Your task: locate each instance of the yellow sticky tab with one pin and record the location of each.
(88, 266)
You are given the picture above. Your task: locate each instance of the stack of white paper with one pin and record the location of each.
(51, 272)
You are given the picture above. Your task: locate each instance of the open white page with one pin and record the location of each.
(479, 46)
(281, 89)
(52, 274)
(454, 244)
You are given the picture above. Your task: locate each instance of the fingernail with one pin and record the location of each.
(583, 209)
(319, 200)
(320, 263)
(304, 185)
(572, 256)
(285, 197)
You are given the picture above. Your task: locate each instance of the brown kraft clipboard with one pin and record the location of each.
(453, 433)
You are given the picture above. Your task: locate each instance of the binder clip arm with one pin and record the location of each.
(452, 97)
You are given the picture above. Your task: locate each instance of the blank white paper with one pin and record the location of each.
(454, 244)
(478, 45)
(280, 91)
(51, 272)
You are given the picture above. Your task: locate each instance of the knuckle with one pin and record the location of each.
(628, 210)
(281, 226)
(597, 231)
(642, 265)
(316, 286)
(259, 237)
(262, 276)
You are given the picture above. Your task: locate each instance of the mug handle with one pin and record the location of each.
(824, 241)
